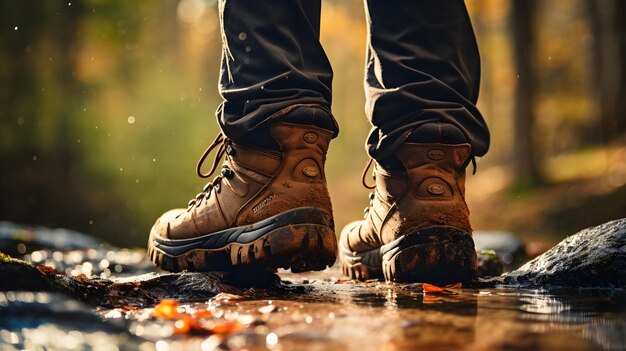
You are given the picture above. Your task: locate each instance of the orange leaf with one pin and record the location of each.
(432, 289)
(458, 285)
(203, 314)
(166, 309)
(227, 327)
(46, 269)
(128, 308)
(181, 327)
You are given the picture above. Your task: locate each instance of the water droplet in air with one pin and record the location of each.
(131, 119)
(242, 36)
(35, 158)
(15, 28)
(248, 49)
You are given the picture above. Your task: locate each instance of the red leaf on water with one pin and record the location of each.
(454, 286)
(203, 314)
(166, 309)
(46, 269)
(227, 327)
(432, 289)
(187, 324)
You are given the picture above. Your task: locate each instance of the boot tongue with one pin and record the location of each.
(430, 133)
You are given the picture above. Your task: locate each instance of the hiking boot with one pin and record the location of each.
(416, 228)
(267, 209)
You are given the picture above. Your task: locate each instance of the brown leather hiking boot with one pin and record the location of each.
(417, 227)
(267, 209)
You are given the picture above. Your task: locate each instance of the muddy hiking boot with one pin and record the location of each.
(416, 228)
(269, 207)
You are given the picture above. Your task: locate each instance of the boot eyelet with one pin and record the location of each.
(310, 138)
(436, 154)
(310, 171)
(436, 189)
(371, 196)
(218, 187)
(227, 172)
(230, 150)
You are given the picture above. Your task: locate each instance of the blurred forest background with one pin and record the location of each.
(105, 107)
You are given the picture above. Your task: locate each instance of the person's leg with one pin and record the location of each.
(269, 206)
(271, 60)
(421, 84)
(422, 66)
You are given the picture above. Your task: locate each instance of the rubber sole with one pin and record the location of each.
(301, 247)
(438, 255)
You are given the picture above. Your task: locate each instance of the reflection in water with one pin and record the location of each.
(543, 305)
(608, 333)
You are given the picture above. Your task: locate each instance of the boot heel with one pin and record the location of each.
(301, 247)
(449, 257)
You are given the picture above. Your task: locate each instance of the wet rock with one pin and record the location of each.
(17, 240)
(19, 275)
(594, 257)
(52, 321)
(138, 291)
(510, 249)
(489, 264)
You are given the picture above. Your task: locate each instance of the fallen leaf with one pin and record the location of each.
(458, 285)
(129, 308)
(203, 314)
(46, 269)
(166, 309)
(432, 289)
(227, 327)
(181, 327)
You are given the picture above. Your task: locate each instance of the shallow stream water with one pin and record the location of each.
(312, 311)
(323, 311)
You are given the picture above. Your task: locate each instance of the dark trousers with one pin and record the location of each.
(422, 66)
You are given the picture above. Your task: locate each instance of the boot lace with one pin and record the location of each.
(224, 147)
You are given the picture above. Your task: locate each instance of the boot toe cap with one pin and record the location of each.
(163, 223)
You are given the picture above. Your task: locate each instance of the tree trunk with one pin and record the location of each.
(525, 161)
(609, 65)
